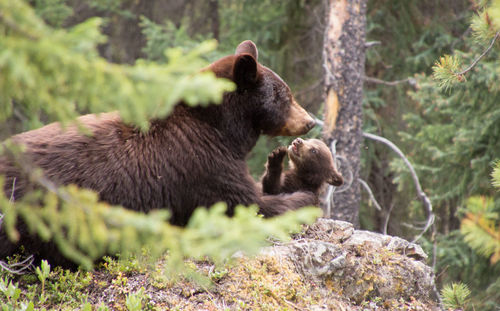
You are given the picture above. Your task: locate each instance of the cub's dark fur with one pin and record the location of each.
(311, 166)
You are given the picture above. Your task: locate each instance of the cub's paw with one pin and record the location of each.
(275, 158)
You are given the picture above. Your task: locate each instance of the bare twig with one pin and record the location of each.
(411, 81)
(318, 121)
(420, 193)
(348, 170)
(331, 189)
(338, 162)
(370, 44)
(370, 193)
(18, 267)
(434, 248)
(412, 226)
(11, 199)
(386, 222)
(19, 114)
(474, 63)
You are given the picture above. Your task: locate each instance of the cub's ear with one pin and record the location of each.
(248, 47)
(245, 71)
(335, 179)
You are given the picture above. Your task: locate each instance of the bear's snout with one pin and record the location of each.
(299, 122)
(336, 180)
(310, 125)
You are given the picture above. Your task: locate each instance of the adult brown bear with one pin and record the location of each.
(195, 157)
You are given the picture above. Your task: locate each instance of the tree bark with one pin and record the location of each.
(344, 61)
(214, 16)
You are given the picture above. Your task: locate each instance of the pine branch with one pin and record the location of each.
(12, 25)
(476, 61)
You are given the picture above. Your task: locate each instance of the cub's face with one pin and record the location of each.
(274, 111)
(312, 156)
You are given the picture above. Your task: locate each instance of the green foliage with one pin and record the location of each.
(471, 256)
(480, 227)
(455, 296)
(482, 29)
(58, 288)
(85, 229)
(54, 74)
(134, 300)
(166, 36)
(451, 137)
(54, 12)
(445, 71)
(12, 293)
(114, 6)
(42, 273)
(58, 72)
(495, 175)
(241, 19)
(481, 223)
(494, 12)
(412, 35)
(455, 137)
(457, 262)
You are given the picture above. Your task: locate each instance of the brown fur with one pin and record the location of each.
(311, 166)
(195, 157)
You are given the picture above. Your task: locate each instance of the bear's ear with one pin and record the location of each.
(248, 47)
(245, 70)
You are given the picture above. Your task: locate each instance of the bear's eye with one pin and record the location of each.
(314, 150)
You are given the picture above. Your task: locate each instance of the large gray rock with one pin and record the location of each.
(360, 265)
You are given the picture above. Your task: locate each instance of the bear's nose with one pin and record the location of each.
(310, 124)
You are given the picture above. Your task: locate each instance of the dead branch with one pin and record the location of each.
(18, 267)
(11, 199)
(338, 162)
(386, 222)
(370, 44)
(410, 81)
(420, 193)
(370, 193)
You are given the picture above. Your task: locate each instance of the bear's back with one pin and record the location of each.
(180, 163)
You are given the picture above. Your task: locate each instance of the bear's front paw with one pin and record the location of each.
(275, 158)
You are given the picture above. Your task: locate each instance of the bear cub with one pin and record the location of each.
(311, 165)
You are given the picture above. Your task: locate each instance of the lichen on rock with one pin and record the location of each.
(361, 265)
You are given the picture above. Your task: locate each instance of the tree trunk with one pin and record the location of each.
(344, 57)
(214, 16)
